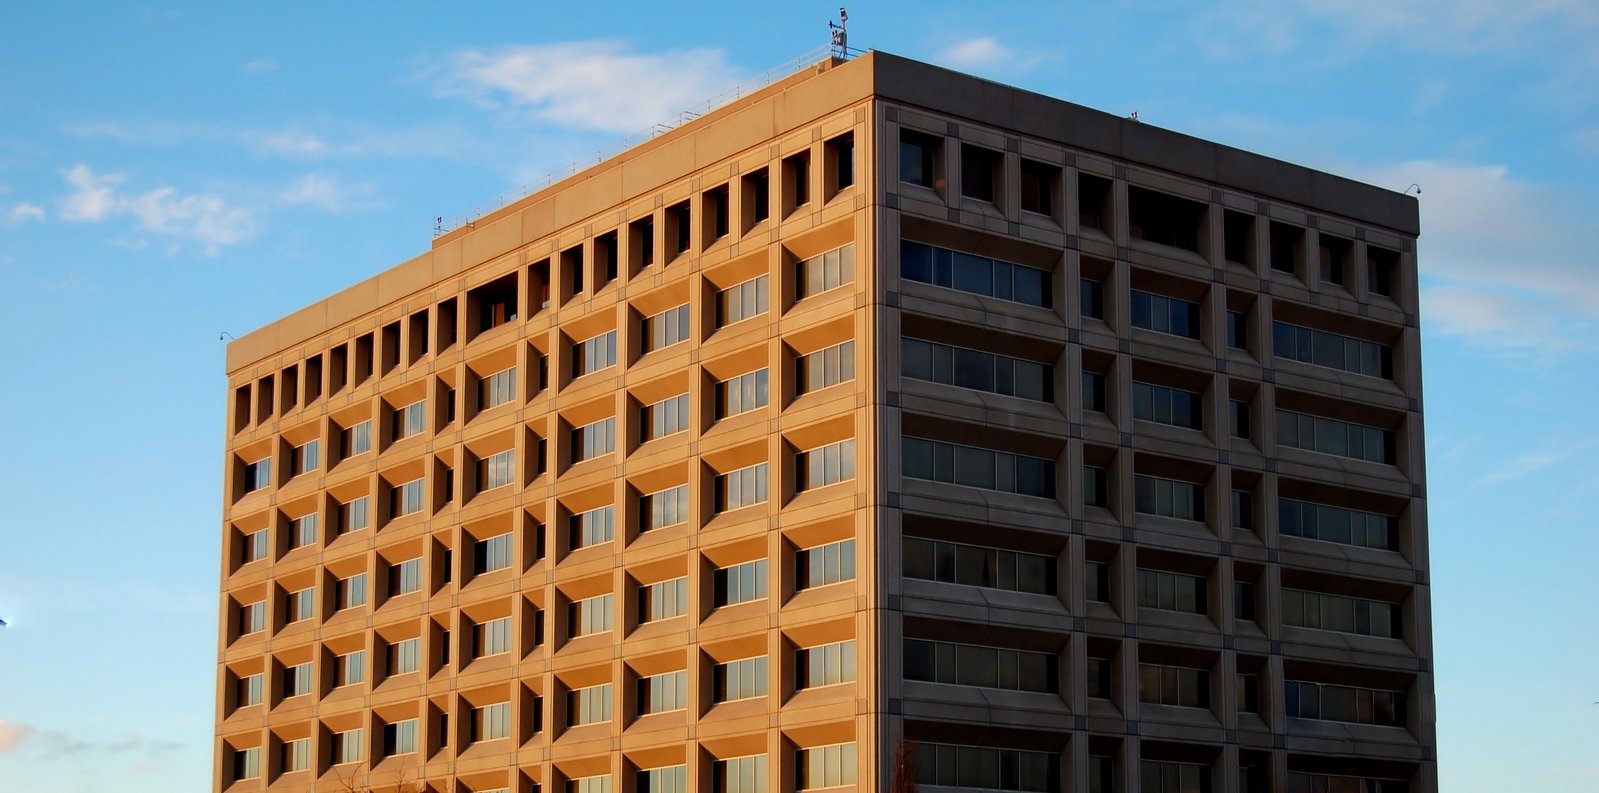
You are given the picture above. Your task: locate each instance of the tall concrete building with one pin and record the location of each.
(885, 426)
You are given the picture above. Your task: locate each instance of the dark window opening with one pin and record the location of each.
(494, 303)
(339, 364)
(1098, 581)
(1238, 330)
(1335, 255)
(715, 205)
(641, 242)
(417, 331)
(797, 179)
(757, 197)
(918, 158)
(363, 361)
(1039, 182)
(980, 172)
(1244, 515)
(265, 395)
(241, 408)
(1286, 242)
(538, 276)
(447, 325)
(1244, 600)
(1249, 702)
(606, 253)
(1094, 392)
(572, 271)
(1381, 267)
(841, 160)
(1092, 298)
(1096, 487)
(1238, 237)
(313, 378)
(1238, 418)
(1165, 219)
(390, 351)
(678, 230)
(289, 383)
(1093, 202)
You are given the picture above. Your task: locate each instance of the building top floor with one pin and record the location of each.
(796, 113)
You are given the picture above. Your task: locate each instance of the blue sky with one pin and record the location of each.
(169, 172)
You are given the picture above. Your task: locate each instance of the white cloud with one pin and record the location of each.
(358, 141)
(292, 143)
(326, 193)
(1502, 320)
(1482, 227)
(1462, 26)
(61, 744)
(24, 212)
(146, 133)
(1532, 462)
(288, 144)
(94, 197)
(207, 219)
(1506, 264)
(260, 66)
(12, 734)
(975, 53)
(1459, 27)
(590, 85)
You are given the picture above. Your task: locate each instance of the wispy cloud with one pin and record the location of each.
(93, 197)
(211, 220)
(597, 85)
(288, 143)
(975, 53)
(1457, 27)
(1461, 26)
(1508, 262)
(146, 133)
(23, 212)
(260, 66)
(207, 219)
(63, 745)
(1529, 463)
(441, 141)
(989, 54)
(199, 217)
(12, 735)
(1507, 321)
(328, 193)
(59, 745)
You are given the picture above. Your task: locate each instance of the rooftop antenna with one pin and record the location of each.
(438, 225)
(1415, 187)
(840, 45)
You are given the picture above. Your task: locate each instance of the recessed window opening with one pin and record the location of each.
(981, 172)
(1165, 219)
